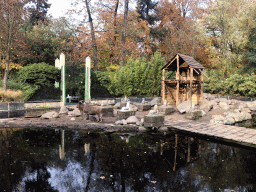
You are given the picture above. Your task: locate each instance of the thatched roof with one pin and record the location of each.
(171, 65)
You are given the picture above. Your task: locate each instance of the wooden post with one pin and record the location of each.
(191, 80)
(163, 86)
(61, 147)
(202, 87)
(175, 152)
(87, 85)
(63, 80)
(189, 150)
(57, 65)
(178, 82)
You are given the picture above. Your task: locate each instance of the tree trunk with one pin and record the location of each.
(94, 46)
(115, 15)
(124, 34)
(6, 73)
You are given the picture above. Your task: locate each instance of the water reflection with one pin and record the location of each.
(77, 160)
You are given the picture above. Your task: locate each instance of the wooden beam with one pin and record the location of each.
(170, 62)
(191, 81)
(178, 82)
(163, 86)
(196, 71)
(203, 73)
(202, 88)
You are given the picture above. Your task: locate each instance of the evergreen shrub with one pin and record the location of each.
(139, 77)
(35, 76)
(235, 85)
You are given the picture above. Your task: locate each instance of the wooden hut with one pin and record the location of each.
(188, 84)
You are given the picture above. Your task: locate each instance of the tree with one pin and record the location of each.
(175, 31)
(11, 18)
(47, 42)
(126, 2)
(225, 28)
(38, 11)
(144, 7)
(94, 46)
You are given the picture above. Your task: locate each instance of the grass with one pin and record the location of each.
(11, 96)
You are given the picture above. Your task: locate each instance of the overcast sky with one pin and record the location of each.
(59, 7)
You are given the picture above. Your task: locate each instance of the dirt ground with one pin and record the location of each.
(78, 122)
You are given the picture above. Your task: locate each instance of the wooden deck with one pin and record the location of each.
(241, 135)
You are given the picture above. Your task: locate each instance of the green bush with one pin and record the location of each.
(236, 84)
(139, 77)
(41, 74)
(35, 76)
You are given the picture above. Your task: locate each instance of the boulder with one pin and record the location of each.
(117, 105)
(185, 106)
(63, 110)
(229, 121)
(206, 106)
(119, 122)
(224, 105)
(75, 113)
(124, 122)
(194, 114)
(166, 109)
(208, 96)
(155, 101)
(251, 105)
(50, 115)
(246, 115)
(132, 120)
(133, 107)
(217, 119)
(236, 116)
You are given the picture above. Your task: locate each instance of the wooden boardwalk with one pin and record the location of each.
(241, 135)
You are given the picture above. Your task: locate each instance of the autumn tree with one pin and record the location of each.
(122, 59)
(11, 18)
(225, 28)
(47, 42)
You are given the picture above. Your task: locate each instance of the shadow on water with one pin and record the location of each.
(77, 160)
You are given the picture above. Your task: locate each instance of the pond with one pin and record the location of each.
(78, 160)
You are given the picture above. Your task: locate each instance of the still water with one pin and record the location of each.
(62, 160)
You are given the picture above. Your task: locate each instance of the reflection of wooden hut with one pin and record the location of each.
(188, 84)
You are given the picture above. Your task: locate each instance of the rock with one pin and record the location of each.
(203, 113)
(242, 105)
(223, 100)
(155, 101)
(119, 122)
(251, 105)
(50, 115)
(185, 106)
(229, 121)
(246, 115)
(132, 120)
(224, 105)
(73, 119)
(194, 114)
(142, 129)
(124, 122)
(153, 121)
(63, 110)
(141, 122)
(217, 119)
(75, 113)
(208, 96)
(133, 107)
(206, 106)
(166, 109)
(117, 105)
